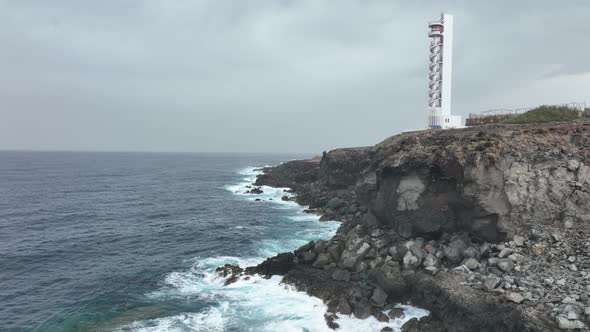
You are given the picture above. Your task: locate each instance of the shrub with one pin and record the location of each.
(545, 113)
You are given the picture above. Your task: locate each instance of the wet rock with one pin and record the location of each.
(361, 309)
(423, 324)
(332, 307)
(387, 329)
(379, 297)
(228, 270)
(230, 280)
(396, 313)
(344, 307)
(255, 191)
(330, 321)
(277, 265)
(382, 317)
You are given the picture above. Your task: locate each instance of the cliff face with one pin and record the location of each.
(490, 182)
(485, 227)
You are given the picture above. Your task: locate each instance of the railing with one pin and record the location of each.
(505, 111)
(500, 114)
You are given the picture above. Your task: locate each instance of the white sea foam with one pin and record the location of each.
(210, 321)
(256, 304)
(253, 304)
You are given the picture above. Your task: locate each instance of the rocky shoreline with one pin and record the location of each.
(485, 227)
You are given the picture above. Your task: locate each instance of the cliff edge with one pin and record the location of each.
(486, 227)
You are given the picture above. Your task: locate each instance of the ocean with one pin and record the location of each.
(97, 241)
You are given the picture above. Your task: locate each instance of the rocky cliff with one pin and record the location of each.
(486, 227)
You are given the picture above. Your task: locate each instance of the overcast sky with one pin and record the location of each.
(268, 76)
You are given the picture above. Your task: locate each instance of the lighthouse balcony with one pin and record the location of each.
(435, 33)
(435, 24)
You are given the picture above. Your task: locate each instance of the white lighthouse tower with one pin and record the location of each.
(441, 68)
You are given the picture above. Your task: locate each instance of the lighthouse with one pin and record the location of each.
(441, 74)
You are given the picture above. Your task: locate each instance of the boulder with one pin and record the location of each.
(396, 313)
(344, 307)
(515, 297)
(379, 297)
(335, 250)
(255, 191)
(389, 278)
(277, 265)
(431, 270)
(341, 275)
(472, 252)
(398, 252)
(411, 261)
(322, 260)
(492, 282)
(430, 260)
(505, 252)
(381, 242)
(350, 256)
(454, 251)
(471, 264)
(382, 317)
(518, 240)
(538, 249)
(361, 309)
(505, 264)
(566, 324)
(307, 257)
(229, 270)
(331, 321)
(306, 247)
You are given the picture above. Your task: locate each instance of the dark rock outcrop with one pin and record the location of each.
(485, 227)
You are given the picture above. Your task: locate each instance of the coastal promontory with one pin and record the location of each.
(486, 227)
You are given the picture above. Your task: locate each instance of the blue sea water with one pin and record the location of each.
(129, 242)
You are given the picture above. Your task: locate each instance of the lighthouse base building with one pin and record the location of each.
(441, 67)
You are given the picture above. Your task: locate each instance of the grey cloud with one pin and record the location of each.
(286, 75)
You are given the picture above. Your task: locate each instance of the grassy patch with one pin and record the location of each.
(545, 114)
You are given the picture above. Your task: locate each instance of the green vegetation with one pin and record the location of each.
(545, 113)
